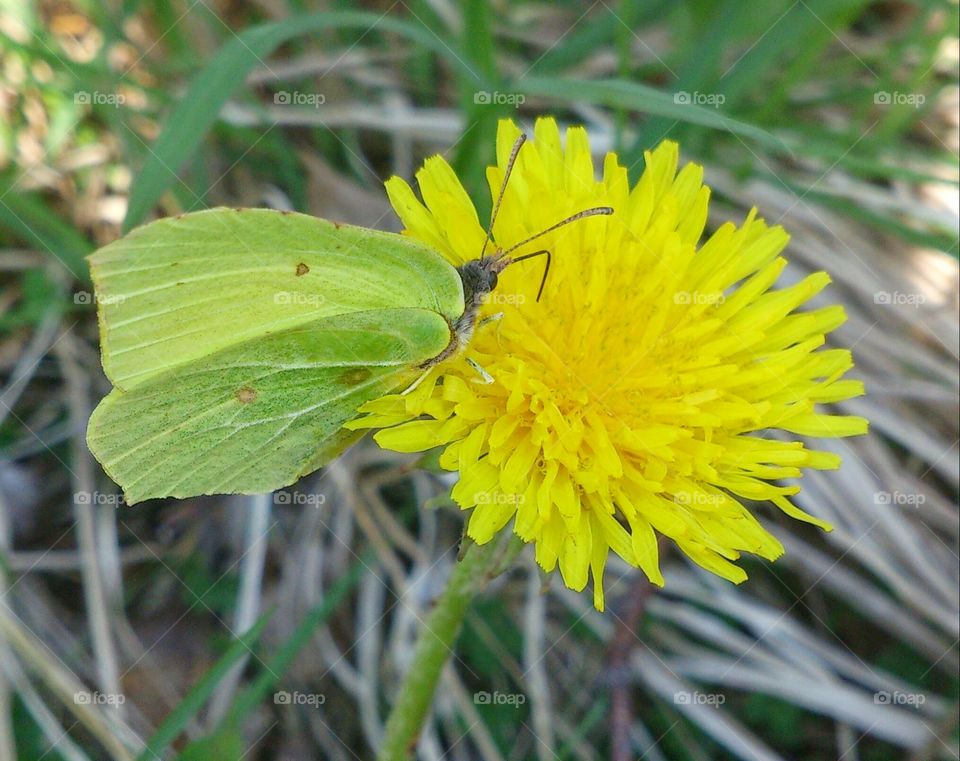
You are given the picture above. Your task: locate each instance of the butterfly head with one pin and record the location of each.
(480, 276)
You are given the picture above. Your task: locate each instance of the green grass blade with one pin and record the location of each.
(644, 99)
(941, 240)
(253, 695)
(26, 217)
(475, 149)
(592, 32)
(194, 700)
(224, 75)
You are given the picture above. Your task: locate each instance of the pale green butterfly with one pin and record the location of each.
(240, 341)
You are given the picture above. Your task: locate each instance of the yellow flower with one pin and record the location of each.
(631, 399)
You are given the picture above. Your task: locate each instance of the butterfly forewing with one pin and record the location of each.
(254, 418)
(183, 287)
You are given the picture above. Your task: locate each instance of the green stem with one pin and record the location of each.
(434, 648)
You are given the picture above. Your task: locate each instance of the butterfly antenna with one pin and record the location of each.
(546, 270)
(514, 152)
(594, 212)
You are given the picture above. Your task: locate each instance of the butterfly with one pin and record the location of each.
(240, 341)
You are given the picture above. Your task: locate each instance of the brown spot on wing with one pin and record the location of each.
(245, 395)
(355, 376)
(302, 269)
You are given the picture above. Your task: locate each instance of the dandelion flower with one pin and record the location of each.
(631, 400)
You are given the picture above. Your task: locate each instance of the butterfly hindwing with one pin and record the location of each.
(256, 417)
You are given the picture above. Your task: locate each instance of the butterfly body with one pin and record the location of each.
(479, 279)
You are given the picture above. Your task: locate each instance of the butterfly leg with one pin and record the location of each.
(493, 318)
(490, 318)
(487, 378)
(417, 382)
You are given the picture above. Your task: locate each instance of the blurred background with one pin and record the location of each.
(277, 627)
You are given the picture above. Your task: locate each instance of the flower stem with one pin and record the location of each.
(435, 646)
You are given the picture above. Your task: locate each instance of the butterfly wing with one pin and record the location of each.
(253, 418)
(235, 365)
(184, 287)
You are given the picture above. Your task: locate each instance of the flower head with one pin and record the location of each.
(631, 400)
